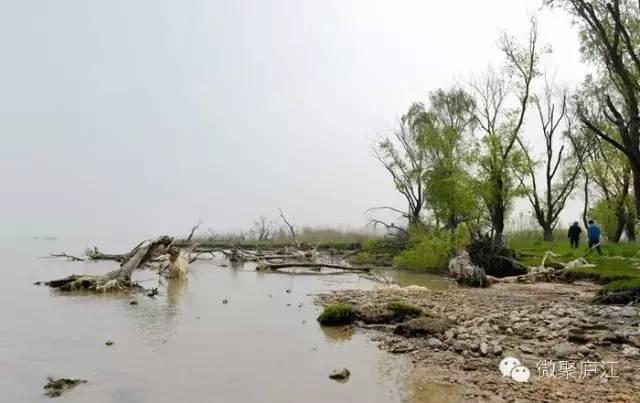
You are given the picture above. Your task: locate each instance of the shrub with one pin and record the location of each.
(431, 250)
(336, 315)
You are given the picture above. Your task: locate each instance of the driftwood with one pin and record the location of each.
(119, 279)
(314, 265)
(64, 255)
(95, 254)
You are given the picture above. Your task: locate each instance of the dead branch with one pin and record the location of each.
(194, 229)
(64, 255)
(291, 229)
(95, 254)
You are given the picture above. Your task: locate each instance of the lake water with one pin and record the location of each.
(184, 345)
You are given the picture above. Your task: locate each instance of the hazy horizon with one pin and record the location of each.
(140, 118)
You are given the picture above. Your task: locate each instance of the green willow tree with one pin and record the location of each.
(447, 143)
(610, 174)
(501, 124)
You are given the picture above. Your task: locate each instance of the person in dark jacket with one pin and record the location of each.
(593, 233)
(574, 234)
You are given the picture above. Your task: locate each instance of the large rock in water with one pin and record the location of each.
(465, 272)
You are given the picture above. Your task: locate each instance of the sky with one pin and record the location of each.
(138, 118)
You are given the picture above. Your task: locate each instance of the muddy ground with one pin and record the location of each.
(576, 351)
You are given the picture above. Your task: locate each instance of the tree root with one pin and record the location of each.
(89, 283)
(119, 279)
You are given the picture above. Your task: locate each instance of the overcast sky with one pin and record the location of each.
(138, 117)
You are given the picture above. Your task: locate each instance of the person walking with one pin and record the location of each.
(593, 232)
(574, 234)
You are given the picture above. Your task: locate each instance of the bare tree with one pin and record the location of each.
(194, 229)
(501, 125)
(404, 159)
(562, 164)
(263, 229)
(291, 229)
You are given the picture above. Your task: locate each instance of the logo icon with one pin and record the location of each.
(511, 366)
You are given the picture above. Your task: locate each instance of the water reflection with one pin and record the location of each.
(338, 334)
(175, 289)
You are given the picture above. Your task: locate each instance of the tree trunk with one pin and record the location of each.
(631, 226)
(635, 169)
(119, 279)
(620, 226)
(585, 209)
(547, 234)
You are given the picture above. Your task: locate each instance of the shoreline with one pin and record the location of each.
(541, 324)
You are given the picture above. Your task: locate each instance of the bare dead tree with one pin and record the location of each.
(292, 230)
(404, 159)
(263, 229)
(194, 229)
(562, 167)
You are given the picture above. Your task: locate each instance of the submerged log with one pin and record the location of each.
(316, 265)
(119, 279)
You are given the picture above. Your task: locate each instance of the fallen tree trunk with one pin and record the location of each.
(95, 254)
(119, 279)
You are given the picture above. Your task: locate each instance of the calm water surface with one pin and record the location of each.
(184, 345)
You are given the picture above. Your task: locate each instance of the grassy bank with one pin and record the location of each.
(617, 269)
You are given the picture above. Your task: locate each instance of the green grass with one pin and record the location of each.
(336, 315)
(617, 269)
(404, 309)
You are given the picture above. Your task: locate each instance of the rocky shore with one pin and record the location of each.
(575, 351)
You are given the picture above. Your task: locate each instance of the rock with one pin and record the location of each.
(465, 272)
(615, 337)
(563, 350)
(423, 326)
(460, 346)
(133, 303)
(401, 349)
(432, 342)
(109, 343)
(56, 387)
(496, 349)
(579, 336)
(474, 347)
(340, 374)
(484, 348)
(526, 349)
(630, 352)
